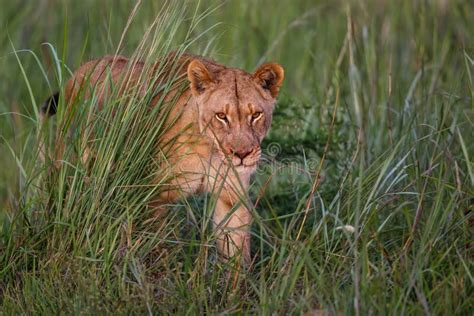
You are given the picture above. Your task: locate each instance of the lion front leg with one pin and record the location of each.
(232, 228)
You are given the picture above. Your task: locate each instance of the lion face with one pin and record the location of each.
(235, 108)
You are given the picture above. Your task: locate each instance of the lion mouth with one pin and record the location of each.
(248, 162)
(246, 165)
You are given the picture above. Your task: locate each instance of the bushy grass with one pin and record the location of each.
(363, 199)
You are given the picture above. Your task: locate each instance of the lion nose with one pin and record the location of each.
(242, 153)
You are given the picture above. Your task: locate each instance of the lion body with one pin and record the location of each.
(217, 123)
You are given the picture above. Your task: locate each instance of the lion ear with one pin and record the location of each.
(199, 76)
(270, 76)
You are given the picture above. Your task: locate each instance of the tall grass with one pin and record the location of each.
(363, 199)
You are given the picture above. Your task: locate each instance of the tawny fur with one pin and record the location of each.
(219, 122)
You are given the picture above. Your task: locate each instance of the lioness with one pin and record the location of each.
(219, 122)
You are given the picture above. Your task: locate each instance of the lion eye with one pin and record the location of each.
(256, 116)
(221, 116)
